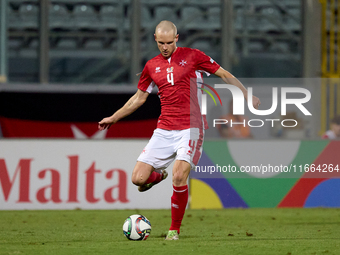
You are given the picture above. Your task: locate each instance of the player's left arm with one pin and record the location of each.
(231, 79)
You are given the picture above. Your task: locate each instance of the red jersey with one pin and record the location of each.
(178, 79)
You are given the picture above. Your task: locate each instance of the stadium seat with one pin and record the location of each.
(262, 3)
(255, 46)
(85, 17)
(290, 3)
(165, 13)
(203, 45)
(239, 19)
(293, 19)
(120, 46)
(192, 18)
(251, 20)
(93, 44)
(110, 16)
(14, 43)
(214, 18)
(157, 2)
(113, 45)
(269, 19)
(203, 2)
(67, 44)
(280, 46)
(238, 3)
(30, 47)
(34, 44)
(60, 17)
(146, 19)
(29, 15)
(176, 2)
(207, 47)
(14, 21)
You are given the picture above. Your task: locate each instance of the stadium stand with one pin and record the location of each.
(203, 45)
(14, 21)
(110, 16)
(256, 46)
(146, 22)
(89, 29)
(214, 18)
(60, 17)
(67, 43)
(270, 20)
(293, 19)
(85, 17)
(192, 17)
(29, 14)
(238, 19)
(165, 12)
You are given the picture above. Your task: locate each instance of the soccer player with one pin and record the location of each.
(334, 131)
(180, 129)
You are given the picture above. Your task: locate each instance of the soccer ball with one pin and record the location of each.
(137, 227)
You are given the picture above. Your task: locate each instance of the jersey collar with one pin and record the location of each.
(167, 59)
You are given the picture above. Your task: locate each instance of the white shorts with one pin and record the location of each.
(165, 146)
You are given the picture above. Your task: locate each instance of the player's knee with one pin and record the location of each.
(137, 179)
(179, 178)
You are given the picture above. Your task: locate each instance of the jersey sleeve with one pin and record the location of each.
(145, 83)
(205, 63)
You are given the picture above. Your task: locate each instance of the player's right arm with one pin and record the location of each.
(231, 79)
(136, 101)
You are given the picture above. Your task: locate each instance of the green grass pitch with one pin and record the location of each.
(230, 231)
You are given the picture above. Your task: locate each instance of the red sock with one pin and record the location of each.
(154, 177)
(179, 202)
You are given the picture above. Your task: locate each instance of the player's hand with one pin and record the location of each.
(256, 102)
(105, 123)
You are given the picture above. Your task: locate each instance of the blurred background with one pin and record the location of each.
(89, 52)
(101, 41)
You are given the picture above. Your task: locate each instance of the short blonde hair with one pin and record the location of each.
(166, 26)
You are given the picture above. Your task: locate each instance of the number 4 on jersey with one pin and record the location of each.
(192, 147)
(170, 77)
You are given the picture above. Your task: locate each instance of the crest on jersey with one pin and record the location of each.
(157, 70)
(170, 69)
(183, 62)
